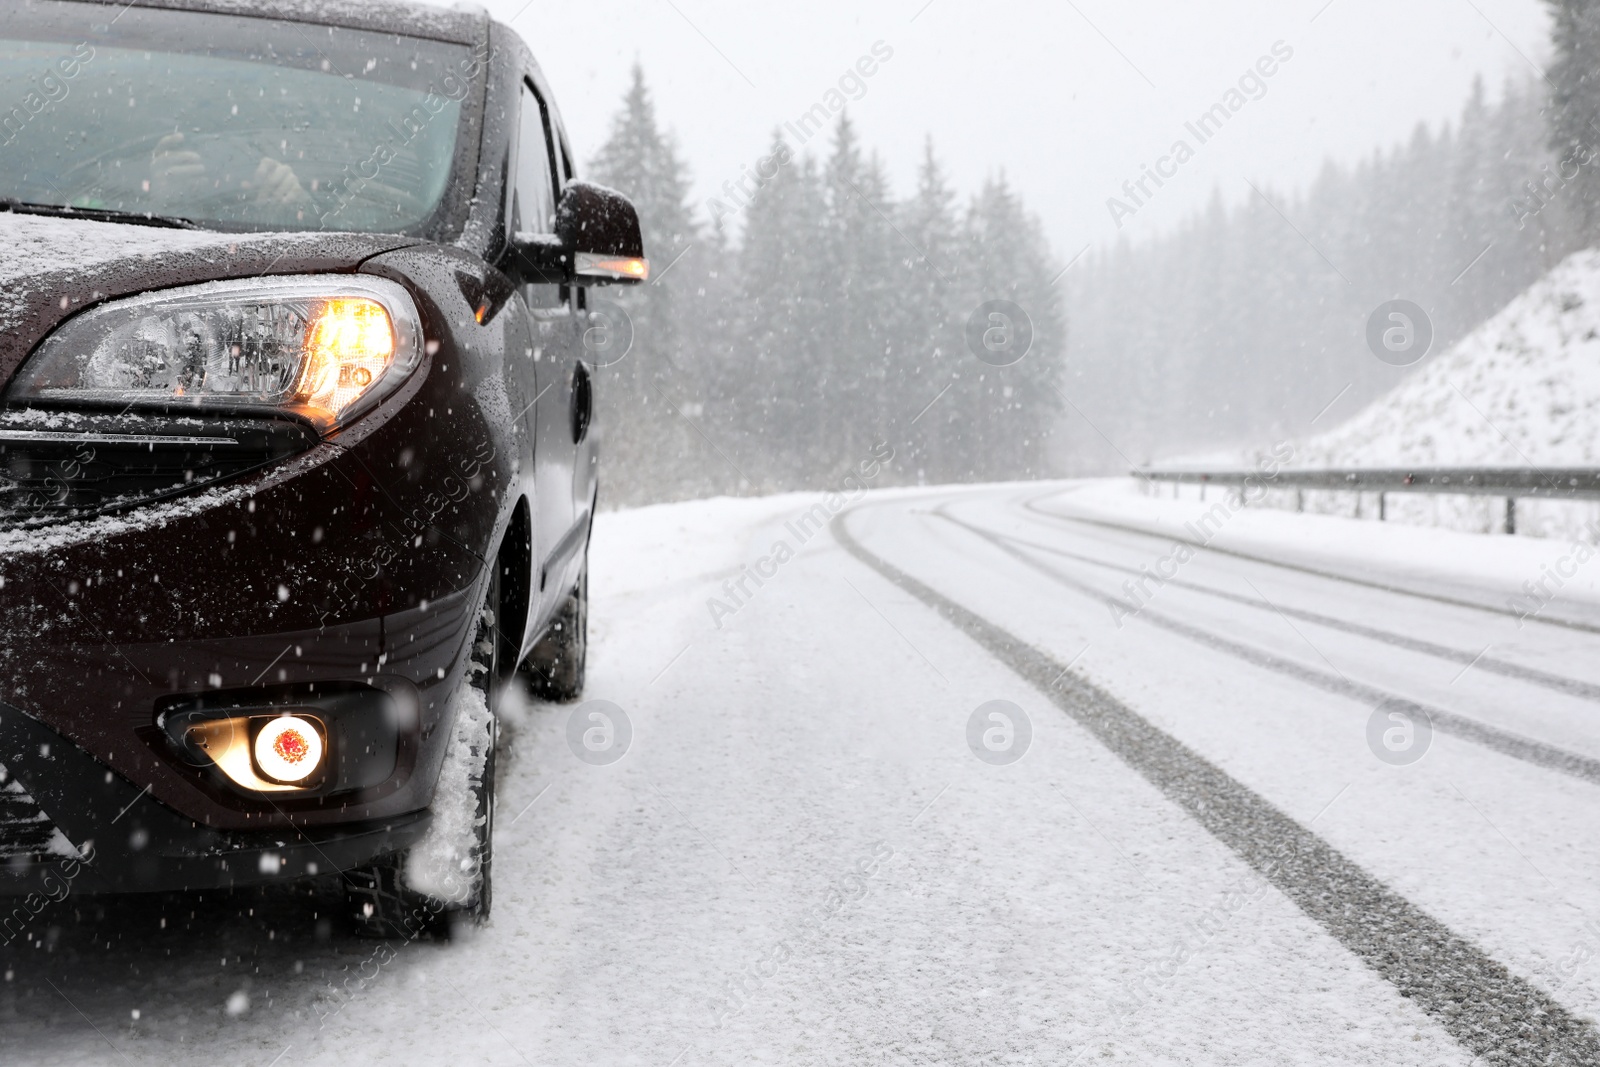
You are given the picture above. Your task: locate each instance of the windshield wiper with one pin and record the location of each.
(97, 214)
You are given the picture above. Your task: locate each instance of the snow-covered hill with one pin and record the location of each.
(1524, 388)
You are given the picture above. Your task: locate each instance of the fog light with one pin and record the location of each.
(288, 749)
(285, 755)
(295, 742)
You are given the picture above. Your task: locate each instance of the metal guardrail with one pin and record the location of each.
(1580, 483)
(1512, 483)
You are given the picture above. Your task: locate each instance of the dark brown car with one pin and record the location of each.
(296, 458)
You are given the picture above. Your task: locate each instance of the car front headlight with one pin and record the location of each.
(324, 347)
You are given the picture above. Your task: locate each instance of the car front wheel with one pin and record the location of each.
(445, 877)
(555, 667)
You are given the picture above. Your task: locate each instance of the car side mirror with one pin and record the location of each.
(597, 241)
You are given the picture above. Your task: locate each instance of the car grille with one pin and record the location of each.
(49, 475)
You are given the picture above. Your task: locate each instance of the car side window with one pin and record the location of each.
(534, 208)
(534, 203)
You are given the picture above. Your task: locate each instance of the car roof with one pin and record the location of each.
(461, 24)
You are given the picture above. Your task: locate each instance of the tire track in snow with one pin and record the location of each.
(1477, 1000)
(1559, 683)
(1367, 583)
(1504, 742)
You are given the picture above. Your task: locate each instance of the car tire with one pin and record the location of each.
(555, 668)
(380, 903)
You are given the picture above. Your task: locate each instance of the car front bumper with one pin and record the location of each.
(360, 562)
(72, 824)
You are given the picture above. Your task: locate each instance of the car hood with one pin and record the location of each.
(53, 267)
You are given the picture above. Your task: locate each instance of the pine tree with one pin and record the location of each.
(851, 370)
(927, 332)
(645, 399)
(1575, 74)
(1010, 410)
(1474, 218)
(775, 366)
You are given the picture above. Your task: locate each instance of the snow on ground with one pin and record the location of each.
(797, 858)
(1500, 850)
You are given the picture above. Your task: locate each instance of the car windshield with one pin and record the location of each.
(230, 122)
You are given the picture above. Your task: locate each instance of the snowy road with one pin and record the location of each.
(1206, 853)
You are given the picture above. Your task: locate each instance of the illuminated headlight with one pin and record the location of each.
(288, 749)
(326, 347)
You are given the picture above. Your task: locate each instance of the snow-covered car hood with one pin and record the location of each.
(51, 268)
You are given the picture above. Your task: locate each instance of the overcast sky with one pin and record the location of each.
(1070, 97)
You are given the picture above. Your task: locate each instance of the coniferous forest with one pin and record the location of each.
(838, 322)
(1243, 325)
(840, 317)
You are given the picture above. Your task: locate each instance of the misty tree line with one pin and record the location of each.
(840, 317)
(1244, 324)
(838, 321)
(1241, 327)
